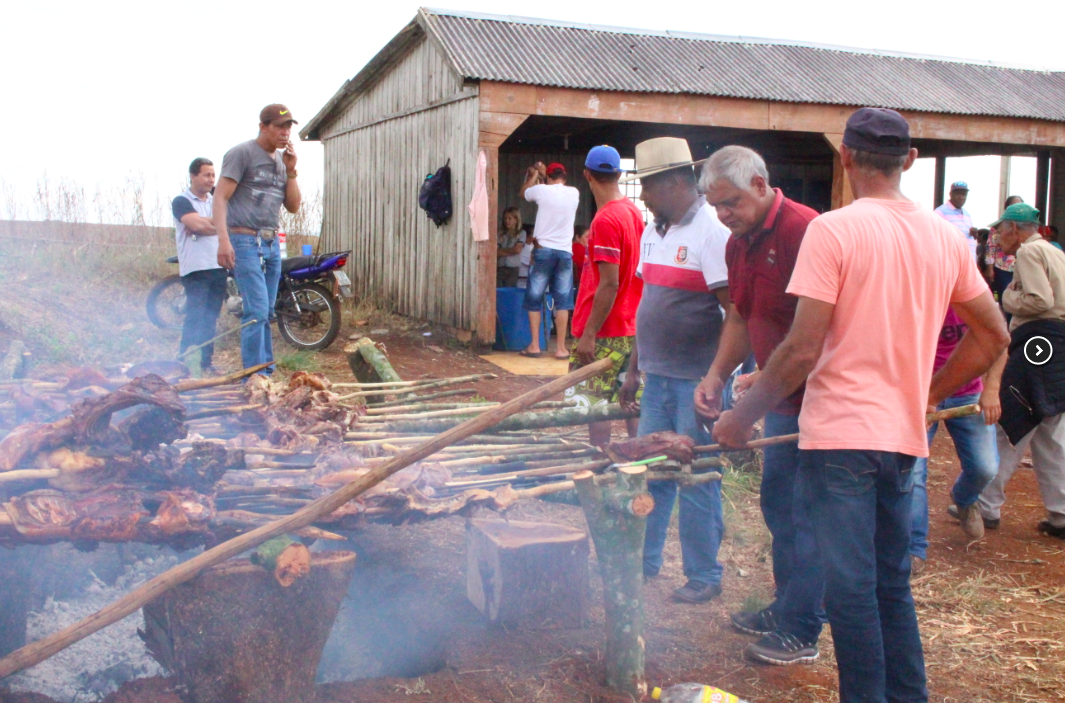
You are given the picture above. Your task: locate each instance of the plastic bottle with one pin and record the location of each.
(693, 693)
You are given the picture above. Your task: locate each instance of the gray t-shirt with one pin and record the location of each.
(261, 182)
(506, 241)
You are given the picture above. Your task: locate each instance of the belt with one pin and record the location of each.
(266, 234)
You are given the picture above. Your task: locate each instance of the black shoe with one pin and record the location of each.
(697, 592)
(990, 523)
(759, 623)
(782, 649)
(1047, 529)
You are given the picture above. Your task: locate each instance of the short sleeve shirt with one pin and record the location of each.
(759, 268)
(195, 253)
(890, 268)
(506, 241)
(679, 320)
(556, 211)
(949, 338)
(261, 182)
(962, 220)
(613, 238)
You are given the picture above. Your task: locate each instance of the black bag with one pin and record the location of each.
(435, 195)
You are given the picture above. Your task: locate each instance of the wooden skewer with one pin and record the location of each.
(418, 385)
(215, 412)
(28, 474)
(197, 383)
(422, 398)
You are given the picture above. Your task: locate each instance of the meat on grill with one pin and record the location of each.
(674, 446)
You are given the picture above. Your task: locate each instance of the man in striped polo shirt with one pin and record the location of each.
(678, 323)
(954, 212)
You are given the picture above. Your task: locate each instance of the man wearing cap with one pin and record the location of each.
(552, 260)
(874, 280)
(604, 320)
(1033, 405)
(954, 212)
(767, 231)
(257, 178)
(678, 323)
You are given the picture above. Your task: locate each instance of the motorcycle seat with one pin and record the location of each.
(172, 260)
(297, 262)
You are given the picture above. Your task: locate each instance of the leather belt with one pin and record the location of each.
(264, 234)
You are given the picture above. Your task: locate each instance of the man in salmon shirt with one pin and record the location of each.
(874, 281)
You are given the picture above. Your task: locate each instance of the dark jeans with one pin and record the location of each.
(860, 503)
(800, 580)
(258, 274)
(205, 291)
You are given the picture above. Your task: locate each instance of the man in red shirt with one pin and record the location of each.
(604, 319)
(767, 229)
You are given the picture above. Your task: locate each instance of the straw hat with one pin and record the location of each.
(661, 154)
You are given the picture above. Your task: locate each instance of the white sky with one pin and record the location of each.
(95, 91)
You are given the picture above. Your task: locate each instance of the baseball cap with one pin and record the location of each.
(959, 185)
(274, 113)
(554, 168)
(878, 130)
(1018, 212)
(604, 159)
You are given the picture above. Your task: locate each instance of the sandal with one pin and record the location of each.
(531, 355)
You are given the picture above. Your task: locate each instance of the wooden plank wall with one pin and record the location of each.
(400, 259)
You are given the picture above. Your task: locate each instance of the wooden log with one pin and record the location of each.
(370, 365)
(524, 421)
(47, 646)
(431, 396)
(617, 518)
(528, 575)
(421, 387)
(233, 634)
(285, 558)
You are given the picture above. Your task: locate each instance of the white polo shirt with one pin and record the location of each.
(195, 252)
(678, 323)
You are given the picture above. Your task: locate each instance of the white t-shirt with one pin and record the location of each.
(556, 210)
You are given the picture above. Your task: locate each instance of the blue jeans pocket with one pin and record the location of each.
(848, 473)
(905, 482)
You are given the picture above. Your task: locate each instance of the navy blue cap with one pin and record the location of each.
(604, 159)
(879, 131)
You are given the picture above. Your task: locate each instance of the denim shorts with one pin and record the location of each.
(552, 267)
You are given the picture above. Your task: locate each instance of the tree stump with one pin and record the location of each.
(370, 365)
(617, 519)
(234, 635)
(530, 575)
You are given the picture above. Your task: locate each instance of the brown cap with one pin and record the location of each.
(276, 113)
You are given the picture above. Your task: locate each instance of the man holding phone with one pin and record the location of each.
(257, 178)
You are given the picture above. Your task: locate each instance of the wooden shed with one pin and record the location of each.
(451, 85)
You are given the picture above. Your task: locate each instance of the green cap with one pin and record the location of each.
(1018, 212)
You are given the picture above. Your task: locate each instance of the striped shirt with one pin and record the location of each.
(960, 218)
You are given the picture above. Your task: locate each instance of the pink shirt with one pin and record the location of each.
(891, 268)
(949, 338)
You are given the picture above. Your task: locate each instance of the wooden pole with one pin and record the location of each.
(197, 383)
(416, 389)
(617, 518)
(42, 649)
(525, 421)
(415, 386)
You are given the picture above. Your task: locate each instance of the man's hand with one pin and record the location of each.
(708, 397)
(288, 156)
(743, 384)
(731, 431)
(227, 258)
(991, 406)
(585, 350)
(627, 394)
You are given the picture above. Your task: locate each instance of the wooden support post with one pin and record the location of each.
(486, 253)
(529, 575)
(841, 186)
(1056, 196)
(940, 185)
(1003, 182)
(617, 520)
(1042, 183)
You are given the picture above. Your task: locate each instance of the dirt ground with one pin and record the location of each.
(992, 612)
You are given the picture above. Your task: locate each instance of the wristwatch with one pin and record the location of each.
(293, 174)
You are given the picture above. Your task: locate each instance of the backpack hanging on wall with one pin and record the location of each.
(435, 195)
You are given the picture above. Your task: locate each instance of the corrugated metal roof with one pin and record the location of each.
(540, 52)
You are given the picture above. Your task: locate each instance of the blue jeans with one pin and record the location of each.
(978, 452)
(800, 580)
(258, 289)
(669, 404)
(860, 503)
(552, 267)
(205, 291)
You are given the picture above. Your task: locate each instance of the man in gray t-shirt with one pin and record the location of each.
(257, 178)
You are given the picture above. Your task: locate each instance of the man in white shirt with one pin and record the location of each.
(954, 212)
(552, 261)
(203, 278)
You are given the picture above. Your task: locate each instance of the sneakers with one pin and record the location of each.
(782, 649)
(990, 523)
(697, 592)
(971, 521)
(759, 623)
(1050, 530)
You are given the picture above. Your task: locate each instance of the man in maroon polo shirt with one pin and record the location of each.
(767, 229)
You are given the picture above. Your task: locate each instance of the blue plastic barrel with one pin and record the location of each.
(512, 322)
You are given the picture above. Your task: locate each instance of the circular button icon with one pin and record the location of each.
(1038, 351)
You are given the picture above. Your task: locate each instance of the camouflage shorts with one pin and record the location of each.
(604, 388)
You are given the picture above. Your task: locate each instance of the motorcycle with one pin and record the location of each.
(307, 310)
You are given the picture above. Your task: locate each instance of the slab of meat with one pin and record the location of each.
(674, 446)
(149, 427)
(111, 514)
(181, 512)
(317, 381)
(42, 514)
(92, 417)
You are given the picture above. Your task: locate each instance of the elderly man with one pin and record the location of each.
(767, 229)
(1033, 384)
(874, 280)
(954, 212)
(678, 323)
